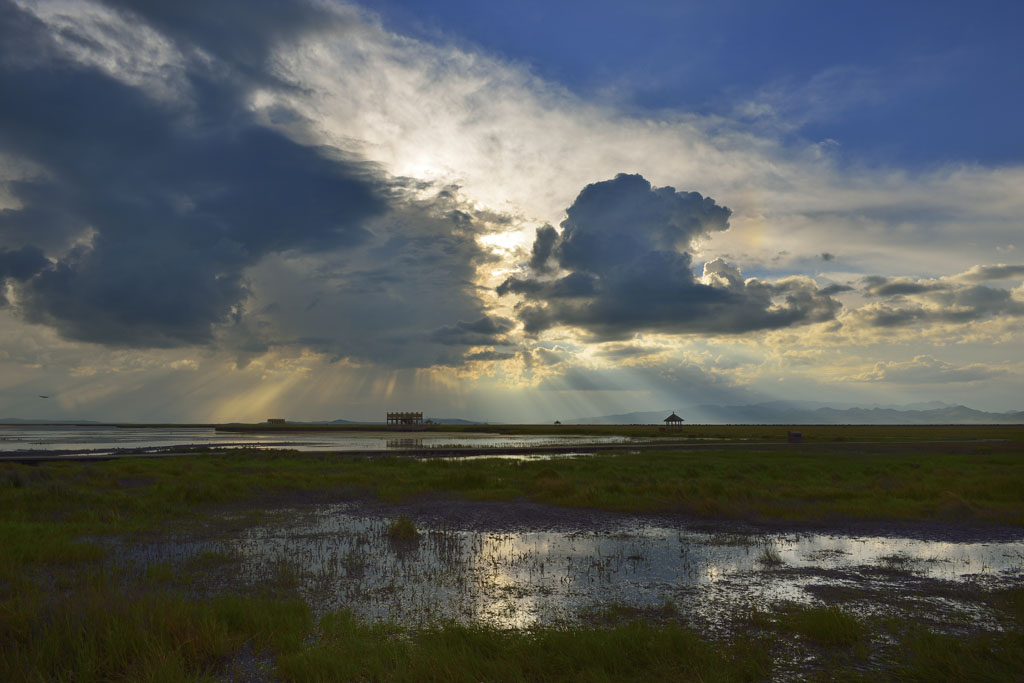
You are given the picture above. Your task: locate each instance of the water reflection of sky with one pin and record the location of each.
(542, 577)
(100, 438)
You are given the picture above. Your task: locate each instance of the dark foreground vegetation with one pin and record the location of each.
(68, 611)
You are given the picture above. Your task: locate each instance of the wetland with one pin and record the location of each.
(745, 564)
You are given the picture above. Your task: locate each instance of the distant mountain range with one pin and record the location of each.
(806, 412)
(435, 420)
(773, 412)
(377, 423)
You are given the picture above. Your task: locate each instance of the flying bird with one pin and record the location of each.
(41, 396)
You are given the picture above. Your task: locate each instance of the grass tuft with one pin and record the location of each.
(770, 557)
(403, 528)
(829, 626)
(979, 657)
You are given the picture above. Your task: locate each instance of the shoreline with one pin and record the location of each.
(29, 457)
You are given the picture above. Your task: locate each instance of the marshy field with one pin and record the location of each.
(861, 553)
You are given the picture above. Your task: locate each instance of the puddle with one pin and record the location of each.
(337, 556)
(521, 457)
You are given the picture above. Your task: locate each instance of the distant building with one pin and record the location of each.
(558, 422)
(275, 421)
(673, 421)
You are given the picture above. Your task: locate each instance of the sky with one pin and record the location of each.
(506, 212)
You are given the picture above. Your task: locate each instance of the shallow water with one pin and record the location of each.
(93, 439)
(339, 557)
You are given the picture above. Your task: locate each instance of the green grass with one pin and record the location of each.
(350, 650)
(100, 631)
(847, 647)
(403, 529)
(929, 656)
(63, 618)
(106, 630)
(44, 507)
(830, 626)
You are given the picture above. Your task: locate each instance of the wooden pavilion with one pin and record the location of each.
(673, 421)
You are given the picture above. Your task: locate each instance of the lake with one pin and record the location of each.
(100, 439)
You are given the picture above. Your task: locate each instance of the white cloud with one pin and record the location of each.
(118, 44)
(928, 370)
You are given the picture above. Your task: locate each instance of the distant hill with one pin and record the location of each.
(435, 420)
(643, 418)
(797, 412)
(20, 421)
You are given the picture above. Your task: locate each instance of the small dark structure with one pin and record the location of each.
(673, 421)
(558, 422)
(275, 420)
(794, 437)
(405, 418)
(405, 421)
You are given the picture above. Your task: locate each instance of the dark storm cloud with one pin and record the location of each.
(240, 34)
(489, 356)
(622, 242)
(626, 351)
(829, 290)
(19, 265)
(169, 202)
(542, 246)
(483, 332)
(958, 299)
(405, 297)
(48, 226)
(949, 304)
(571, 286)
(876, 285)
(625, 219)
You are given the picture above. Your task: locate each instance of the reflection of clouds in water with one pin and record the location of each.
(508, 599)
(933, 559)
(521, 579)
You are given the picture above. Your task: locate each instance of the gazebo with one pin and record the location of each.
(673, 421)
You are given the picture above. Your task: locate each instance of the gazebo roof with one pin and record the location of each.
(674, 418)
